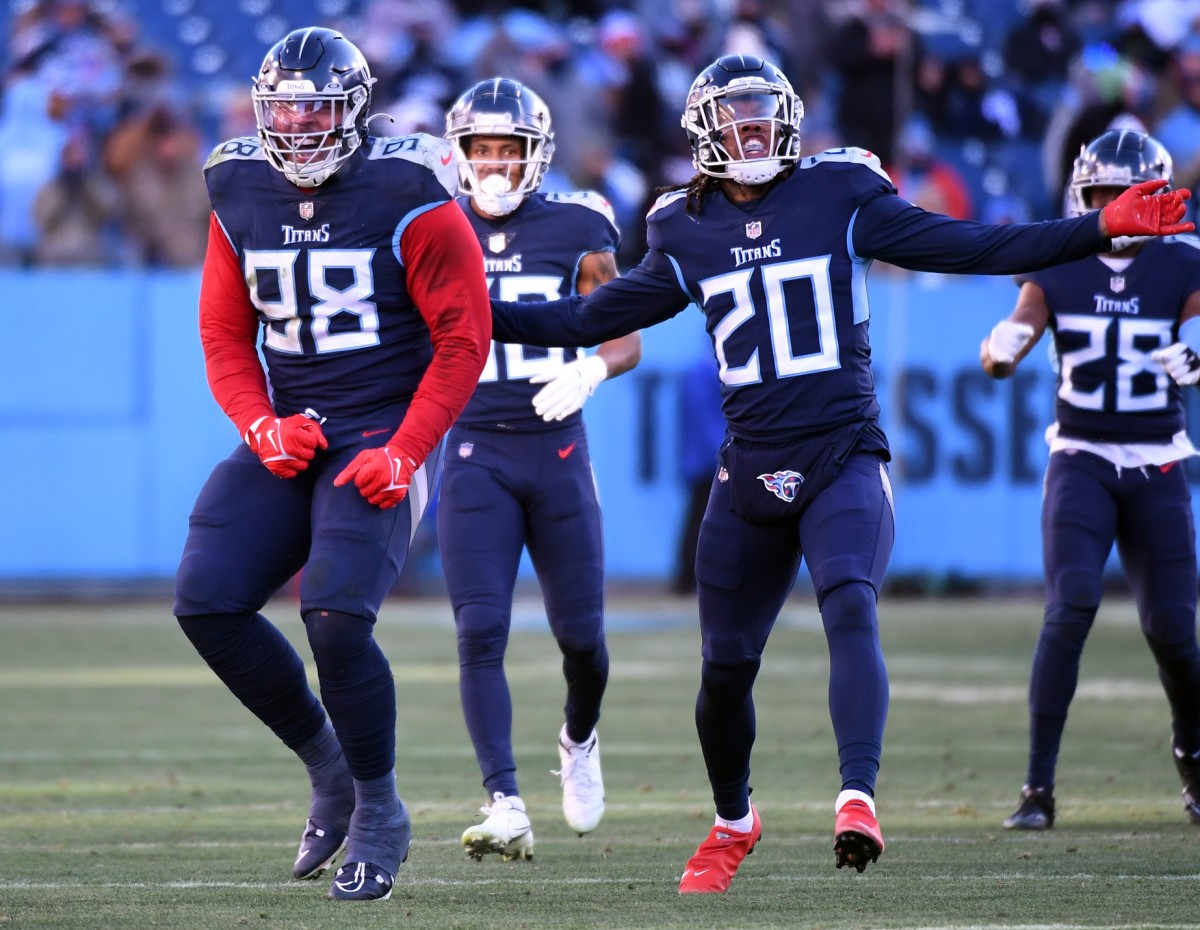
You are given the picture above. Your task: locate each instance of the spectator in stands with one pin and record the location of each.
(871, 50)
(1106, 91)
(155, 160)
(1179, 130)
(31, 137)
(926, 180)
(75, 211)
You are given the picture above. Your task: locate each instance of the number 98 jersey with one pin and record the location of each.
(1106, 324)
(324, 269)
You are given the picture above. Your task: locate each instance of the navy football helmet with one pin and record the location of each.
(501, 107)
(311, 99)
(1117, 158)
(736, 91)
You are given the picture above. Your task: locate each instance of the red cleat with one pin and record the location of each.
(716, 861)
(857, 838)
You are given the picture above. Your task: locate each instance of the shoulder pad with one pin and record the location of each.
(589, 199)
(245, 148)
(854, 156)
(665, 200)
(421, 148)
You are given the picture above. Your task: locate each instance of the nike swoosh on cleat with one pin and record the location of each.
(563, 453)
(372, 432)
(699, 872)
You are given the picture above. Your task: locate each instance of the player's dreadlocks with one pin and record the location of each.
(700, 185)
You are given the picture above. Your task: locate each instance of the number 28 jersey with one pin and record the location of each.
(1105, 325)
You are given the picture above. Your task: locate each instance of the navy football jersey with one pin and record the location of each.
(532, 254)
(1105, 324)
(340, 334)
(782, 285)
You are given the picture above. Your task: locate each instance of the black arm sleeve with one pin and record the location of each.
(893, 230)
(647, 295)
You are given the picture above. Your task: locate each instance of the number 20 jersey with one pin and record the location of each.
(323, 268)
(532, 254)
(1106, 324)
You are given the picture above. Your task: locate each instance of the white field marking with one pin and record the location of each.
(412, 881)
(1104, 689)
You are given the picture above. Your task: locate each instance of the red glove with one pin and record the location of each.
(382, 475)
(286, 446)
(1141, 212)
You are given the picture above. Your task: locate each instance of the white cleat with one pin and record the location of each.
(582, 782)
(506, 831)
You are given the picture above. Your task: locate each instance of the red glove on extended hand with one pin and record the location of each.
(286, 446)
(1141, 212)
(382, 475)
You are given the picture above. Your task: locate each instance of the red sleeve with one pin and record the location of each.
(447, 284)
(229, 334)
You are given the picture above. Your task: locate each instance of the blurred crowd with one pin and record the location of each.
(976, 107)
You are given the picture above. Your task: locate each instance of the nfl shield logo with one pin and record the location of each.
(1117, 283)
(496, 242)
(465, 450)
(306, 210)
(754, 230)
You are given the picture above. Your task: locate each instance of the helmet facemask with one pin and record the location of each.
(308, 133)
(747, 131)
(500, 186)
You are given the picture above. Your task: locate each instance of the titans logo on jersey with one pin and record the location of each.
(1106, 323)
(325, 272)
(532, 254)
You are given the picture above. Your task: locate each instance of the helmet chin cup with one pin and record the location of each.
(751, 173)
(498, 204)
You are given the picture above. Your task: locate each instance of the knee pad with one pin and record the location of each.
(728, 682)
(338, 640)
(849, 608)
(482, 634)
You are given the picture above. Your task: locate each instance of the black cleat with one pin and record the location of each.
(1035, 812)
(318, 848)
(1189, 771)
(361, 881)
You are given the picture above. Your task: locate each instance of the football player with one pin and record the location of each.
(1126, 328)
(348, 255)
(518, 474)
(775, 250)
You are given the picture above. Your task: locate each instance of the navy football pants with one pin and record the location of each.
(249, 533)
(503, 492)
(744, 573)
(1088, 503)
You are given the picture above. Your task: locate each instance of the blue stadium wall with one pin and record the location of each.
(108, 430)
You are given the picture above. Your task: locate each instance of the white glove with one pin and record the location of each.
(1180, 362)
(567, 387)
(1007, 340)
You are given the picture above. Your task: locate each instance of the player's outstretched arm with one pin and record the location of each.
(568, 387)
(1140, 211)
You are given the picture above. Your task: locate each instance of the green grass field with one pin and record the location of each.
(136, 792)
